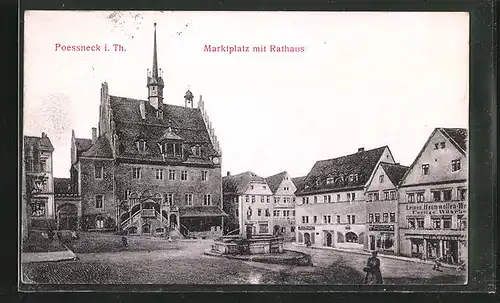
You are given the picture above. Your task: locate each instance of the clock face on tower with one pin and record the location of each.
(215, 160)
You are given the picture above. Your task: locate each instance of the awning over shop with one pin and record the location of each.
(201, 211)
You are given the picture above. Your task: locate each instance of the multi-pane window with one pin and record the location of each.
(376, 197)
(171, 174)
(455, 165)
(411, 223)
(141, 145)
(259, 212)
(381, 178)
(353, 196)
(462, 194)
(447, 222)
(99, 201)
(253, 199)
(436, 196)
(136, 172)
(370, 218)
(315, 219)
(425, 169)
(184, 175)
(268, 199)
(338, 219)
(188, 199)
(286, 213)
(293, 213)
(268, 213)
(247, 198)
(377, 217)
(348, 196)
(315, 199)
(204, 175)
(385, 217)
(392, 217)
(305, 219)
(159, 174)
(447, 195)
(338, 197)
(393, 195)
(386, 195)
(410, 197)
(98, 171)
(325, 199)
(370, 197)
(420, 197)
(276, 213)
(169, 199)
(420, 223)
(436, 223)
(351, 219)
(207, 200)
(263, 228)
(37, 209)
(329, 199)
(327, 219)
(261, 199)
(99, 223)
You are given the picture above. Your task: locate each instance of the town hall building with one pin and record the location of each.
(150, 167)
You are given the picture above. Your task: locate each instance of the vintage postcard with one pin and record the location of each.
(312, 148)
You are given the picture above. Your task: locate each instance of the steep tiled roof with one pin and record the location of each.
(62, 185)
(274, 181)
(179, 123)
(40, 143)
(299, 181)
(361, 164)
(395, 172)
(201, 211)
(238, 184)
(101, 149)
(82, 145)
(457, 136)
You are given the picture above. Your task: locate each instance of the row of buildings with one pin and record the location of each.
(155, 168)
(365, 201)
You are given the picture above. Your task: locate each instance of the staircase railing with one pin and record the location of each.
(131, 219)
(184, 230)
(233, 232)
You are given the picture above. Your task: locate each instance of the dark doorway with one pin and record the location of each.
(328, 239)
(249, 231)
(276, 230)
(307, 238)
(146, 229)
(173, 221)
(372, 242)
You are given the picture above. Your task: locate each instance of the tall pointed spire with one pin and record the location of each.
(155, 82)
(155, 59)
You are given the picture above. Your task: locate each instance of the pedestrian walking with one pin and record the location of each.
(372, 269)
(124, 241)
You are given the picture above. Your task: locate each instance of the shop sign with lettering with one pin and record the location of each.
(306, 227)
(381, 227)
(436, 208)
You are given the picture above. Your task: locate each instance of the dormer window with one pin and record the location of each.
(141, 145)
(197, 151)
(173, 149)
(329, 180)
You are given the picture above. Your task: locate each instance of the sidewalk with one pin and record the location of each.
(381, 255)
(47, 256)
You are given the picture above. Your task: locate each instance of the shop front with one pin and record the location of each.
(306, 234)
(450, 249)
(381, 238)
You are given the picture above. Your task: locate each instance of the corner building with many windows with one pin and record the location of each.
(151, 168)
(331, 204)
(433, 199)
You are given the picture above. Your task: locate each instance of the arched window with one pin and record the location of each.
(351, 237)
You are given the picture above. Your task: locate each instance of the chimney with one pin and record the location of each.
(228, 173)
(44, 135)
(94, 134)
(361, 149)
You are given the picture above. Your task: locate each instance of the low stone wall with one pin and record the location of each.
(256, 245)
(288, 257)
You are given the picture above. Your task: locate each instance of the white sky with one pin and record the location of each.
(364, 80)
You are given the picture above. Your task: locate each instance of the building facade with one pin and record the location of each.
(38, 179)
(248, 201)
(331, 206)
(283, 214)
(150, 167)
(433, 203)
(382, 208)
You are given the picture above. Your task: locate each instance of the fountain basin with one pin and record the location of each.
(262, 244)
